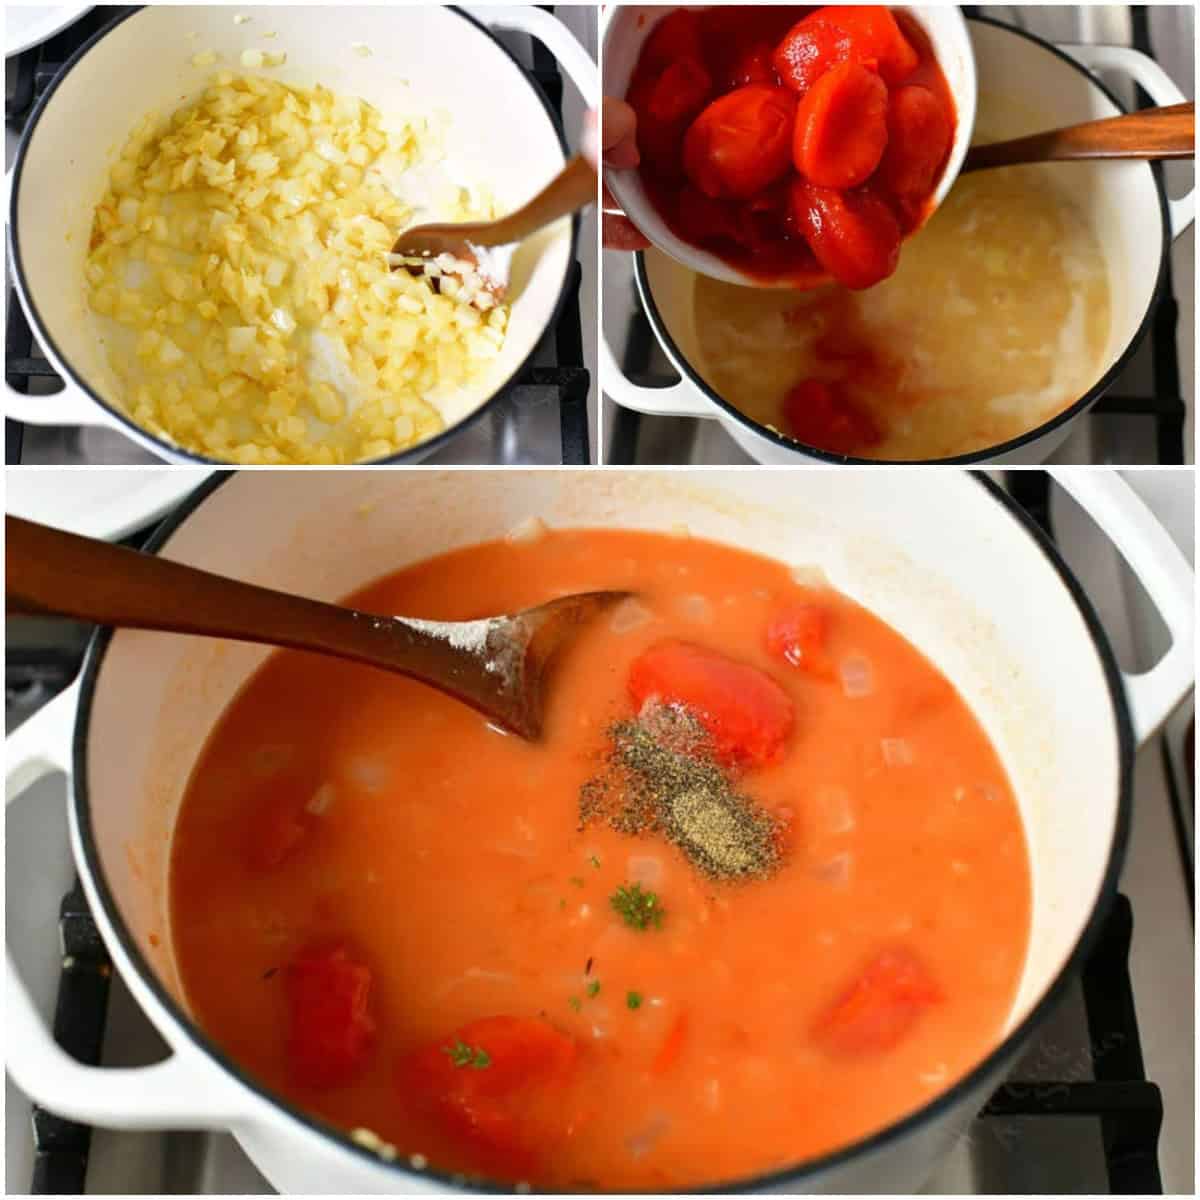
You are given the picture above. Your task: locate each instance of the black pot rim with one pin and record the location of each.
(167, 450)
(783, 1179)
(975, 457)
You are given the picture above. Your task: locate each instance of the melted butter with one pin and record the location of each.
(996, 320)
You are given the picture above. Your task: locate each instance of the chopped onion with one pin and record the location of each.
(897, 752)
(694, 607)
(321, 799)
(857, 677)
(475, 975)
(835, 870)
(369, 774)
(529, 530)
(645, 869)
(836, 810)
(640, 1144)
(629, 616)
(712, 1094)
(810, 577)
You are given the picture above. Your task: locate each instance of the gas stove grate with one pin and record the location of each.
(566, 382)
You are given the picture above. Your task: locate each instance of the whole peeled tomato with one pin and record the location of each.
(741, 143)
(919, 132)
(854, 235)
(842, 127)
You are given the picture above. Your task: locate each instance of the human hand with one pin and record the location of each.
(618, 141)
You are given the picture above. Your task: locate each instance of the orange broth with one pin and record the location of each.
(450, 857)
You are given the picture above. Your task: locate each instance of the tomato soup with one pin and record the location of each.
(439, 936)
(795, 143)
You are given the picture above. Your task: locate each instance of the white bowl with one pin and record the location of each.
(624, 30)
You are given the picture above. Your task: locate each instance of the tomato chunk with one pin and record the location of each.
(799, 634)
(880, 1007)
(746, 713)
(741, 143)
(819, 414)
(854, 235)
(330, 1030)
(866, 34)
(810, 48)
(841, 127)
(752, 65)
(875, 37)
(680, 92)
(919, 133)
(277, 831)
(675, 37)
(497, 1086)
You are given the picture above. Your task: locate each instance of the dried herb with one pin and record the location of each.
(637, 908)
(593, 988)
(633, 1000)
(575, 1002)
(462, 1055)
(661, 777)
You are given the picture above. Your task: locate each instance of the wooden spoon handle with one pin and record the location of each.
(1152, 133)
(61, 574)
(573, 188)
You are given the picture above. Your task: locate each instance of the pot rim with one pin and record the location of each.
(990, 453)
(168, 451)
(187, 1028)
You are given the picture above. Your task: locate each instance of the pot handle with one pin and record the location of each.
(553, 34)
(71, 406)
(178, 1092)
(679, 400)
(1159, 564)
(1158, 85)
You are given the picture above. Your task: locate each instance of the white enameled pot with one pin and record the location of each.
(623, 34)
(1025, 84)
(942, 556)
(424, 59)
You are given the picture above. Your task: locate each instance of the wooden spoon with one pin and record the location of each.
(573, 188)
(497, 664)
(1151, 133)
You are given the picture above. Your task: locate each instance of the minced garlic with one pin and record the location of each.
(241, 254)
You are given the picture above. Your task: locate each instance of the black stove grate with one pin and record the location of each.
(1127, 1107)
(566, 382)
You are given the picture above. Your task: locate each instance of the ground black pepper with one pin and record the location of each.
(660, 776)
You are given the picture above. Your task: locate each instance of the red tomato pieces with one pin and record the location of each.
(919, 133)
(740, 104)
(509, 1110)
(874, 37)
(676, 36)
(811, 47)
(741, 143)
(841, 127)
(752, 65)
(817, 413)
(880, 1007)
(330, 1030)
(854, 235)
(680, 93)
(799, 634)
(746, 713)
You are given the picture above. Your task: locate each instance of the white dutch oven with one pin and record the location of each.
(423, 59)
(625, 30)
(942, 556)
(1025, 85)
